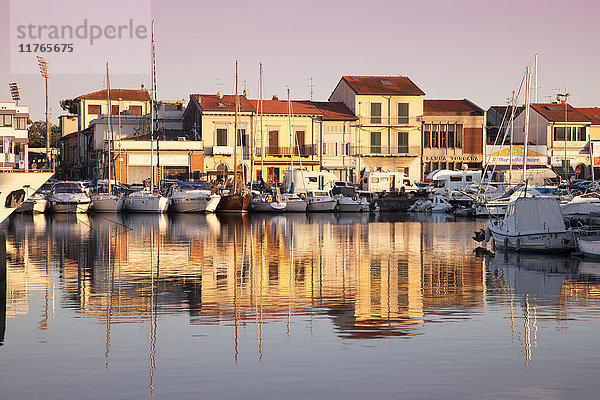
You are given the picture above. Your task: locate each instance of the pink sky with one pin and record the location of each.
(471, 49)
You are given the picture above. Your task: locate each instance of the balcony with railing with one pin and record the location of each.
(375, 120)
(389, 151)
(306, 150)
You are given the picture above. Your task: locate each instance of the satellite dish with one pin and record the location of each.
(220, 94)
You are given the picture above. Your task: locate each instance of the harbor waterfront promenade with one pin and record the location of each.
(318, 305)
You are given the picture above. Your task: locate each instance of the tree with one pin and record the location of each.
(37, 134)
(70, 105)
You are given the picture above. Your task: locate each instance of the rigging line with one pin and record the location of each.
(99, 215)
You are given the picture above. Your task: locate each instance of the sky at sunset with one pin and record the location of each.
(473, 49)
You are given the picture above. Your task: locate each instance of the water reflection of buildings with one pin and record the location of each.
(373, 280)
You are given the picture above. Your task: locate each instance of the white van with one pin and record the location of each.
(386, 182)
(445, 179)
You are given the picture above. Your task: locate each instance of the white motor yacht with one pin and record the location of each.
(267, 203)
(146, 202)
(106, 202)
(16, 187)
(192, 197)
(36, 204)
(320, 201)
(68, 197)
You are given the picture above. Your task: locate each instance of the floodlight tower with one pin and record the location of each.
(14, 92)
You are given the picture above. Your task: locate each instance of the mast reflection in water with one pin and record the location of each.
(311, 304)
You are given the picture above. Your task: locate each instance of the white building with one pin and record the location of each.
(13, 136)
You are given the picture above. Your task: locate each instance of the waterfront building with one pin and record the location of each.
(593, 113)
(390, 112)
(453, 135)
(337, 127)
(563, 131)
(14, 142)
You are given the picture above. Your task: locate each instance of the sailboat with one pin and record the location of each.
(294, 203)
(532, 223)
(237, 197)
(151, 200)
(265, 202)
(107, 201)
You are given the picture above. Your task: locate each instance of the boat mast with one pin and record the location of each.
(109, 130)
(262, 137)
(526, 133)
(291, 140)
(235, 129)
(152, 105)
(510, 146)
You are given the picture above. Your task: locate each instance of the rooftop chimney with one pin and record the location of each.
(142, 86)
(275, 97)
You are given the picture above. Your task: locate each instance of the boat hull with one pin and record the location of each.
(267, 206)
(197, 204)
(349, 205)
(237, 202)
(29, 182)
(590, 248)
(107, 204)
(318, 205)
(63, 207)
(545, 242)
(154, 204)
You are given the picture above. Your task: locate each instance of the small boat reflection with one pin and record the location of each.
(589, 268)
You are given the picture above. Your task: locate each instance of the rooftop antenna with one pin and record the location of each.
(14, 92)
(535, 77)
(311, 86)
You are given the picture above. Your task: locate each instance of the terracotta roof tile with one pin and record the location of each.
(281, 107)
(212, 102)
(332, 110)
(383, 85)
(464, 106)
(555, 112)
(593, 113)
(115, 94)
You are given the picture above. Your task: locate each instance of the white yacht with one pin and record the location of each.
(192, 197)
(68, 197)
(16, 187)
(346, 196)
(106, 202)
(294, 203)
(440, 204)
(320, 201)
(146, 202)
(497, 207)
(532, 224)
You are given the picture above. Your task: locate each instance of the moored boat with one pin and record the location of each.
(146, 202)
(192, 197)
(320, 201)
(68, 197)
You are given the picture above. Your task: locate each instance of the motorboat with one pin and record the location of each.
(192, 197)
(320, 201)
(234, 201)
(346, 196)
(68, 197)
(589, 248)
(146, 201)
(294, 203)
(106, 202)
(16, 187)
(368, 201)
(440, 204)
(36, 204)
(533, 224)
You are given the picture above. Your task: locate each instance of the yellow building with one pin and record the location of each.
(390, 111)
(268, 129)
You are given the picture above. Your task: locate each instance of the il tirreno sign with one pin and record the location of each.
(504, 156)
(454, 158)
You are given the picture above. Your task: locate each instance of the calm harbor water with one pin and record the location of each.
(290, 306)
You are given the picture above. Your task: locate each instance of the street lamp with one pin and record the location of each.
(45, 71)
